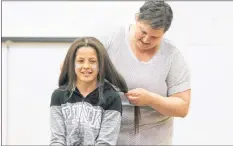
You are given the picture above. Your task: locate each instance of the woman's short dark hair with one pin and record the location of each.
(157, 14)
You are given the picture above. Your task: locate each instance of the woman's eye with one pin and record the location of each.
(143, 31)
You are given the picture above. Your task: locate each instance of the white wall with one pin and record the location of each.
(59, 18)
(4, 87)
(32, 76)
(210, 118)
(202, 30)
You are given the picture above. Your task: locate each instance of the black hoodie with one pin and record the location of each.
(86, 120)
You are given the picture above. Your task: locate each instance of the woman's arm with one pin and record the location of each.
(176, 105)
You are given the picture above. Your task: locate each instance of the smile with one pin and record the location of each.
(86, 73)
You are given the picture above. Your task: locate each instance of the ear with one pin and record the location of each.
(136, 17)
(61, 65)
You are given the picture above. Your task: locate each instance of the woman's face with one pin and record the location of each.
(86, 65)
(147, 37)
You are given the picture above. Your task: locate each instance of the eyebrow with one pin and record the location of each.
(93, 58)
(147, 33)
(80, 57)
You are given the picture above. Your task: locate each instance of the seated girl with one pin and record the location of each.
(86, 108)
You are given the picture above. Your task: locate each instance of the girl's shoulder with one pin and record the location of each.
(57, 95)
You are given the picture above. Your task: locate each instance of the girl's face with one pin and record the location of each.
(86, 65)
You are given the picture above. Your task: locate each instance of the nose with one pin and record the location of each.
(146, 39)
(86, 65)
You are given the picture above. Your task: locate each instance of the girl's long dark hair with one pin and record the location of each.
(137, 116)
(106, 71)
(106, 68)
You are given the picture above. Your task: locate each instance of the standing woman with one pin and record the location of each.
(86, 108)
(156, 74)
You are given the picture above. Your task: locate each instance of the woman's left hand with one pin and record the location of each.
(139, 96)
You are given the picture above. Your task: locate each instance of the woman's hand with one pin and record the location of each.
(139, 96)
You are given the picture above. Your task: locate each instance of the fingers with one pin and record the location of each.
(133, 99)
(131, 94)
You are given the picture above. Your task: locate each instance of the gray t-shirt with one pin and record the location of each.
(165, 73)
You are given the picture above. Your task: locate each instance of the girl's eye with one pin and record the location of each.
(79, 61)
(92, 61)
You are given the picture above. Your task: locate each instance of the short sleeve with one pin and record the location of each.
(178, 78)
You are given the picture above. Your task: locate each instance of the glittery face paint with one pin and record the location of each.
(78, 66)
(94, 66)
